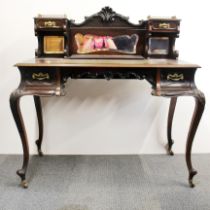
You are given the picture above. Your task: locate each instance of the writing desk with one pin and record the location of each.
(47, 77)
(106, 46)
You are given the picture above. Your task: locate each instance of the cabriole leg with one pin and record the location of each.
(38, 106)
(198, 111)
(172, 107)
(15, 108)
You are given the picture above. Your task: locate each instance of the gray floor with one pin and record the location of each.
(149, 182)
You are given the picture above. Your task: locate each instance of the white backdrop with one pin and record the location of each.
(100, 117)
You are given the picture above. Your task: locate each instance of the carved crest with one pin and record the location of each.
(108, 15)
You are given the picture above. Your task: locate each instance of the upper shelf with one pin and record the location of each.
(106, 33)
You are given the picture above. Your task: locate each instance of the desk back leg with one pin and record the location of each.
(38, 106)
(172, 107)
(15, 108)
(198, 111)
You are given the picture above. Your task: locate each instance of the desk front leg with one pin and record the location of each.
(38, 106)
(198, 111)
(180, 82)
(15, 108)
(172, 107)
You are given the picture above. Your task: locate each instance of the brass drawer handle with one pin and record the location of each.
(50, 24)
(40, 76)
(164, 25)
(175, 77)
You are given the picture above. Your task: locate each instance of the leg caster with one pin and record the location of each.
(24, 184)
(169, 148)
(22, 173)
(191, 175)
(38, 143)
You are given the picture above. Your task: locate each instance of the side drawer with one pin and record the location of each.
(176, 75)
(43, 81)
(39, 76)
(50, 23)
(163, 26)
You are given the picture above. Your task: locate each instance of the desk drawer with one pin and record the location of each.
(163, 26)
(35, 76)
(178, 75)
(44, 23)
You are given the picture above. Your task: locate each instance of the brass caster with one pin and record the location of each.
(38, 143)
(40, 153)
(24, 184)
(169, 150)
(191, 183)
(192, 174)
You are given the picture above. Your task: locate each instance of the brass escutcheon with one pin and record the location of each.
(40, 76)
(175, 77)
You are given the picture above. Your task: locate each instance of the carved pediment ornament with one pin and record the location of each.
(108, 15)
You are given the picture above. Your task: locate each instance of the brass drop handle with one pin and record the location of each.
(164, 25)
(40, 76)
(50, 24)
(175, 77)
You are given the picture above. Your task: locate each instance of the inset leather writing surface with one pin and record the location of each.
(131, 63)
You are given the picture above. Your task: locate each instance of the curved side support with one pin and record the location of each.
(38, 106)
(172, 107)
(198, 111)
(15, 108)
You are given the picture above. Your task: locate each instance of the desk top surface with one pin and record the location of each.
(112, 63)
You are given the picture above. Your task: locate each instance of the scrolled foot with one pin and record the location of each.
(38, 143)
(169, 148)
(21, 173)
(191, 175)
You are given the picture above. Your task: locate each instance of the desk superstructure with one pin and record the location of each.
(106, 46)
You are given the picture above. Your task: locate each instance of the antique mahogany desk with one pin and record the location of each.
(106, 46)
